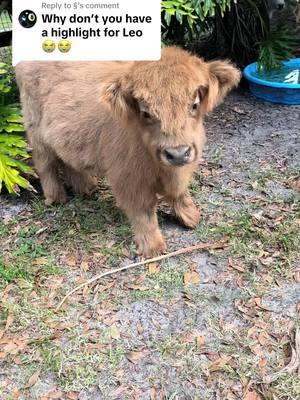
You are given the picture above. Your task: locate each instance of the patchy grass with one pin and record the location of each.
(217, 157)
(4, 230)
(78, 366)
(287, 385)
(169, 278)
(161, 285)
(244, 232)
(9, 273)
(189, 330)
(273, 174)
(259, 236)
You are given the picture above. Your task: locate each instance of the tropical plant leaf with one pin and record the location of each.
(12, 143)
(15, 118)
(11, 176)
(12, 140)
(276, 48)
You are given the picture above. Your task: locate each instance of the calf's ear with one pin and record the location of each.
(119, 99)
(223, 77)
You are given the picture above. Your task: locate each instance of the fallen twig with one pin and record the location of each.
(201, 246)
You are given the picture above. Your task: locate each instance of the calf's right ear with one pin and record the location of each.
(119, 99)
(223, 77)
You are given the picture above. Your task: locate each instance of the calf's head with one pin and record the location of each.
(165, 102)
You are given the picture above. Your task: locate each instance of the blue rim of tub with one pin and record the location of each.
(281, 85)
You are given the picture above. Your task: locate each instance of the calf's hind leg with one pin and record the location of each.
(47, 167)
(81, 182)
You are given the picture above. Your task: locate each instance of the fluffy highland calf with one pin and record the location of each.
(137, 123)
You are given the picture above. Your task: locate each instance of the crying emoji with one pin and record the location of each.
(64, 46)
(49, 46)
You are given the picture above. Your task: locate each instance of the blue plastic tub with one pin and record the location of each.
(282, 86)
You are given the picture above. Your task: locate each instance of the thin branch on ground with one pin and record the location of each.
(186, 250)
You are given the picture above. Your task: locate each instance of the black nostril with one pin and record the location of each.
(169, 155)
(178, 155)
(188, 152)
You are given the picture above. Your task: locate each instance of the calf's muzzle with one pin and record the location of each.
(179, 155)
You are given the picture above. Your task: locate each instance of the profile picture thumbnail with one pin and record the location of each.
(27, 19)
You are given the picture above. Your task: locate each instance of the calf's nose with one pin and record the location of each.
(178, 155)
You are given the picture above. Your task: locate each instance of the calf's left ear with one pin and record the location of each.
(223, 77)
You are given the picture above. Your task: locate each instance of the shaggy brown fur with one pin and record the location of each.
(137, 123)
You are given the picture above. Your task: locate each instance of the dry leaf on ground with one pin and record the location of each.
(114, 332)
(137, 287)
(252, 396)
(219, 363)
(293, 365)
(32, 380)
(153, 268)
(135, 356)
(191, 277)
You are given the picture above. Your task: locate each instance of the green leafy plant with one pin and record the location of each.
(240, 30)
(193, 9)
(274, 49)
(185, 16)
(12, 143)
(180, 9)
(208, 8)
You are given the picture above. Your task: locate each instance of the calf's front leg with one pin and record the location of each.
(141, 212)
(147, 235)
(175, 191)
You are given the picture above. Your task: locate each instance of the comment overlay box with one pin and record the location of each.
(86, 30)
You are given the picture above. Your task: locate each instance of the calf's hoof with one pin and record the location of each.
(87, 186)
(59, 198)
(189, 216)
(150, 246)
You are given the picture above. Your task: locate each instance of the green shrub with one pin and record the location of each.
(181, 15)
(179, 9)
(193, 9)
(12, 143)
(239, 30)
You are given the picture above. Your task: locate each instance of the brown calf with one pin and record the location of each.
(137, 123)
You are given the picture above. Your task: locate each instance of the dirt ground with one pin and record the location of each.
(214, 325)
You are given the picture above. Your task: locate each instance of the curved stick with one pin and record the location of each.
(201, 246)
